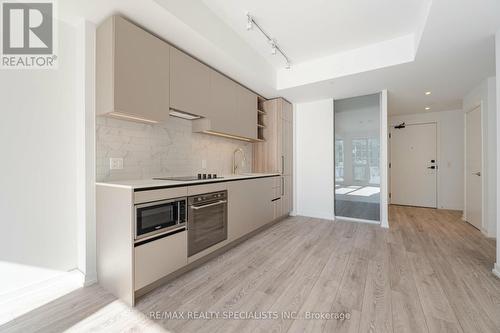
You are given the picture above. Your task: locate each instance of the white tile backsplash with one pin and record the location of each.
(169, 149)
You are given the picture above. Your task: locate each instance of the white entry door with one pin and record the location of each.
(473, 167)
(414, 165)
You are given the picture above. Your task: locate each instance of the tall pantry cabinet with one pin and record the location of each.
(275, 153)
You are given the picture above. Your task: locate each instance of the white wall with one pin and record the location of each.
(450, 153)
(484, 95)
(314, 176)
(496, 269)
(37, 176)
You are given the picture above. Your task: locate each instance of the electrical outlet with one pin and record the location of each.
(116, 163)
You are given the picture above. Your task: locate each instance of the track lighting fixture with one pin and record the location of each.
(249, 22)
(275, 48)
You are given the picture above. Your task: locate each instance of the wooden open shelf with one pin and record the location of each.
(261, 114)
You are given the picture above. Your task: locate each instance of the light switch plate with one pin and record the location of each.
(203, 164)
(116, 163)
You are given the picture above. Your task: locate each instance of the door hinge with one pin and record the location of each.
(389, 135)
(390, 164)
(389, 195)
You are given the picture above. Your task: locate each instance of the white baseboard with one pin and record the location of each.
(496, 270)
(90, 279)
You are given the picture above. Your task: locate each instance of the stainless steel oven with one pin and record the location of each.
(157, 217)
(207, 221)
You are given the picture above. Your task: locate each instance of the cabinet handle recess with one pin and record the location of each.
(282, 185)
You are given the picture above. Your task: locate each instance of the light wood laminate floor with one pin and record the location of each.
(430, 272)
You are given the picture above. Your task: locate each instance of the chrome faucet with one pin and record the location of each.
(235, 166)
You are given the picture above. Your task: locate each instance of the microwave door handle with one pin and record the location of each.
(209, 205)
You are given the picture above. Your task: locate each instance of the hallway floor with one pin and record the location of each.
(430, 272)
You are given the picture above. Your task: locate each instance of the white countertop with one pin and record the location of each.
(152, 183)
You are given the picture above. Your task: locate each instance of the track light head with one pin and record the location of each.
(249, 22)
(273, 47)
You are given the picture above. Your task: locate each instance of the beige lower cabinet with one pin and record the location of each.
(124, 268)
(159, 258)
(287, 197)
(250, 205)
(277, 208)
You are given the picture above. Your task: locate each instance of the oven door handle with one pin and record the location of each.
(209, 205)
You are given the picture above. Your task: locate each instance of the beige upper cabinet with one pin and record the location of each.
(132, 72)
(247, 112)
(222, 103)
(232, 109)
(189, 84)
(141, 77)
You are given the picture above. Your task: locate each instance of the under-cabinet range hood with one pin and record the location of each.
(183, 115)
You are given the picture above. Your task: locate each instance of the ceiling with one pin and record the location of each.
(456, 52)
(339, 49)
(316, 28)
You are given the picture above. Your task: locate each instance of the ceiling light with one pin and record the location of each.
(275, 48)
(183, 115)
(427, 108)
(428, 92)
(249, 22)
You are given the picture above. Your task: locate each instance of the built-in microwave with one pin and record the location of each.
(158, 217)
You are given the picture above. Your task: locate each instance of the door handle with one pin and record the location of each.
(209, 205)
(477, 174)
(282, 185)
(432, 167)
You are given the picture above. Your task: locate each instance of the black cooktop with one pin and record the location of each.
(189, 178)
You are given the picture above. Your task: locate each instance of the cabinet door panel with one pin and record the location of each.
(277, 208)
(141, 72)
(189, 84)
(247, 113)
(159, 258)
(223, 103)
(287, 137)
(287, 197)
(250, 205)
